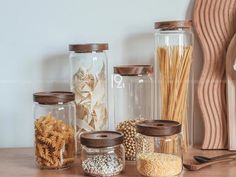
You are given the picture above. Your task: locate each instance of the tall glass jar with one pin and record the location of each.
(174, 86)
(159, 148)
(133, 101)
(55, 129)
(103, 153)
(89, 83)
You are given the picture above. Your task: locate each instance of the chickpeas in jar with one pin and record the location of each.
(133, 101)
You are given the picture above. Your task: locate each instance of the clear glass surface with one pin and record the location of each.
(103, 162)
(55, 135)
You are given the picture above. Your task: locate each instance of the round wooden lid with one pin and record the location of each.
(133, 70)
(87, 48)
(101, 139)
(158, 127)
(54, 97)
(169, 25)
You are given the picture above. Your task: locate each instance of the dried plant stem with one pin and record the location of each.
(175, 64)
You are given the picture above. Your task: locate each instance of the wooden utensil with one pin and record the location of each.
(231, 92)
(195, 167)
(214, 24)
(204, 159)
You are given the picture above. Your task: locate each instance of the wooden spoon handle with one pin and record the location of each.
(214, 162)
(223, 156)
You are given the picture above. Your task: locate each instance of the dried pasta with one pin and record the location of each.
(174, 64)
(54, 142)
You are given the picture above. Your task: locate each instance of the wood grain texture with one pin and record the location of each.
(213, 22)
(19, 162)
(231, 92)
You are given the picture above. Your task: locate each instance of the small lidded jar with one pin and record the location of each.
(103, 153)
(55, 123)
(159, 148)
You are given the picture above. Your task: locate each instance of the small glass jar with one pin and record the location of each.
(55, 129)
(159, 148)
(174, 86)
(133, 101)
(89, 83)
(103, 153)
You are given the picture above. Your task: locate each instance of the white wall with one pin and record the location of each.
(34, 38)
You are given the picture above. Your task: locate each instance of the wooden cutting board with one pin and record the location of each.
(214, 25)
(231, 92)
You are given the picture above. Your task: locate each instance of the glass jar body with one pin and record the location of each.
(103, 162)
(174, 79)
(55, 135)
(159, 156)
(89, 83)
(133, 102)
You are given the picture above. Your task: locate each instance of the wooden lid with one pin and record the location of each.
(101, 139)
(170, 25)
(133, 70)
(87, 48)
(54, 97)
(158, 127)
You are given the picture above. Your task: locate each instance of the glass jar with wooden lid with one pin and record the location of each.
(103, 153)
(133, 90)
(55, 129)
(174, 76)
(159, 148)
(88, 63)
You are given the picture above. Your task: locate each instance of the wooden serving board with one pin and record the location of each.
(214, 25)
(231, 92)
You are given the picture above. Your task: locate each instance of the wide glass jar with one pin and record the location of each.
(159, 148)
(133, 101)
(103, 153)
(89, 83)
(55, 129)
(174, 78)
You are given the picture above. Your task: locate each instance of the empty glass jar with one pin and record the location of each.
(174, 86)
(159, 148)
(102, 153)
(133, 101)
(55, 129)
(89, 83)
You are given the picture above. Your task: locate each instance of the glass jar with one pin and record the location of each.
(174, 86)
(133, 101)
(89, 83)
(55, 128)
(103, 153)
(159, 148)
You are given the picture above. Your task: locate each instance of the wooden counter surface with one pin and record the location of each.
(19, 162)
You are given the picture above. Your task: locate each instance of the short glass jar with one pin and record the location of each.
(133, 101)
(159, 148)
(88, 65)
(55, 129)
(103, 153)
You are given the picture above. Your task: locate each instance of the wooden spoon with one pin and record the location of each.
(195, 167)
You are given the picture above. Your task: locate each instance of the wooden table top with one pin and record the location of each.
(19, 162)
